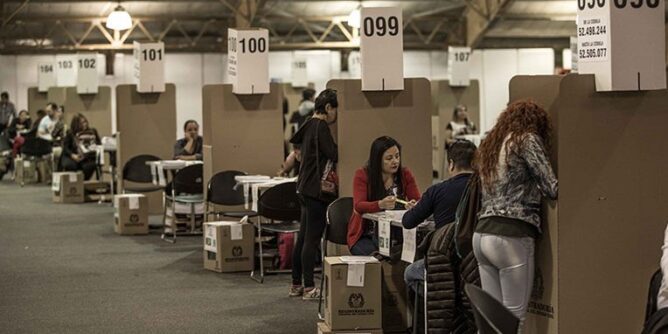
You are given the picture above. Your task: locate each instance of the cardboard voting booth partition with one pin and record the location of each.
(95, 107)
(146, 124)
(57, 95)
(244, 132)
(364, 116)
(602, 244)
(446, 98)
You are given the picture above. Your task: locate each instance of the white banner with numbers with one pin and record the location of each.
(382, 48)
(66, 70)
(248, 60)
(87, 77)
(623, 43)
(46, 77)
(149, 71)
(458, 66)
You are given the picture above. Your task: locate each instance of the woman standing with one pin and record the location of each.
(376, 187)
(78, 152)
(317, 149)
(515, 174)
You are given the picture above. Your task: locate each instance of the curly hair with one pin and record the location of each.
(520, 118)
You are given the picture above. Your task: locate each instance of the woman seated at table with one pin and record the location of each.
(377, 187)
(190, 146)
(460, 125)
(79, 152)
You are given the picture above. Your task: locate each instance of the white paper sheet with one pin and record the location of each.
(236, 232)
(55, 182)
(384, 236)
(161, 176)
(133, 203)
(408, 250)
(210, 242)
(154, 173)
(246, 195)
(356, 274)
(255, 195)
(73, 177)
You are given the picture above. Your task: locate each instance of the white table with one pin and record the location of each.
(159, 167)
(395, 216)
(254, 183)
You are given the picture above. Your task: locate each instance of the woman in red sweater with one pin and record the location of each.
(375, 188)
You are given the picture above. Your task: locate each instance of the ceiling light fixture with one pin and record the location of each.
(119, 19)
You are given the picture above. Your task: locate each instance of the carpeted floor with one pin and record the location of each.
(64, 270)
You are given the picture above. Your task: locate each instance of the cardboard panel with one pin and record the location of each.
(364, 116)
(611, 223)
(445, 99)
(543, 311)
(36, 101)
(96, 108)
(145, 124)
(245, 132)
(57, 95)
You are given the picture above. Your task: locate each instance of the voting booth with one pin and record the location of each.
(445, 98)
(602, 241)
(146, 124)
(242, 132)
(364, 116)
(95, 107)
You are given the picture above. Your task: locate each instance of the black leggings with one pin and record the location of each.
(87, 165)
(310, 232)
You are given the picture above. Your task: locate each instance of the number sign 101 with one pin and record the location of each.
(152, 55)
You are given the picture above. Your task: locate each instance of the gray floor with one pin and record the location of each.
(63, 270)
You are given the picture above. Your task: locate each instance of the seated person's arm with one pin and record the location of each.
(288, 165)
(179, 151)
(422, 210)
(360, 197)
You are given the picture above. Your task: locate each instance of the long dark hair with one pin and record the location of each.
(520, 118)
(374, 169)
(75, 125)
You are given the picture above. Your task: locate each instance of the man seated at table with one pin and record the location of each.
(440, 200)
(190, 146)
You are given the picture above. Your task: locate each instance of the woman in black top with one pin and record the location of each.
(78, 147)
(190, 146)
(317, 148)
(19, 124)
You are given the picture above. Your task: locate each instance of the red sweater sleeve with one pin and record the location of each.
(360, 199)
(412, 191)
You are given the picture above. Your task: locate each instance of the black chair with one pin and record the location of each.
(221, 191)
(336, 232)
(491, 316)
(278, 203)
(37, 150)
(136, 170)
(187, 188)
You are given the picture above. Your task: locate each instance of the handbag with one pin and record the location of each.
(329, 181)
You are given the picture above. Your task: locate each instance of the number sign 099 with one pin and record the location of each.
(381, 26)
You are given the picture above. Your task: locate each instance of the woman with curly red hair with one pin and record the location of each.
(515, 173)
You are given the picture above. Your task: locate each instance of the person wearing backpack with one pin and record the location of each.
(440, 200)
(318, 152)
(515, 174)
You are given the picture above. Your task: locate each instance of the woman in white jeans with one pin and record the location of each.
(516, 174)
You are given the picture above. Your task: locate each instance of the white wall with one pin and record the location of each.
(190, 71)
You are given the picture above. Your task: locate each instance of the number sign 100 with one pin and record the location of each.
(621, 4)
(152, 55)
(381, 26)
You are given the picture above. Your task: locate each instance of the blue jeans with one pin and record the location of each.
(366, 245)
(414, 276)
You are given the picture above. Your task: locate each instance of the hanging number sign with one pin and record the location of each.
(299, 71)
(458, 65)
(87, 78)
(622, 42)
(382, 48)
(149, 67)
(248, 60)
(66, 70)
(46, 77)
